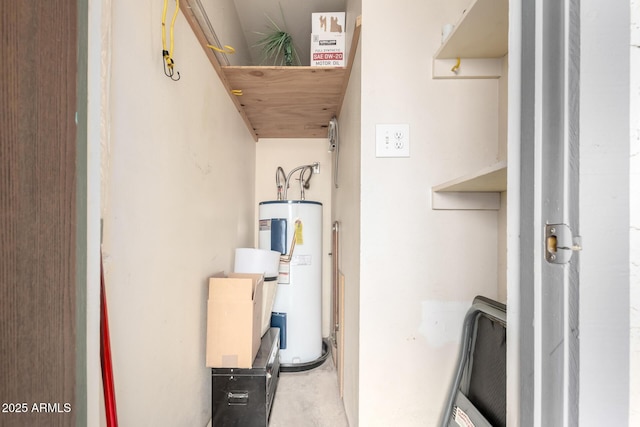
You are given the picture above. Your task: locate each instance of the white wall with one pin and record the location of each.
(227, 29)
(503, 116)
(604, 214)
(420, 268)
(289, 154)
(178, 198)
(634, 231)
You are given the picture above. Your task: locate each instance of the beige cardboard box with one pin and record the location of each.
(234, 317)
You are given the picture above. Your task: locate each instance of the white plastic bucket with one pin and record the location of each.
(261, 261)
(257, 261)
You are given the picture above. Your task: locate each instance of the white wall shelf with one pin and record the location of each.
(479, 39)
(479, 190)
(491, 178)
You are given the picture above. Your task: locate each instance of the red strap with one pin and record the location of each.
(105, 357)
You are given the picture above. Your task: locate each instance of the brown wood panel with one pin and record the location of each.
(38, 212)
(283, 102)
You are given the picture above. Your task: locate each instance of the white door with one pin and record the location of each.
(549, 211)
(569, 172)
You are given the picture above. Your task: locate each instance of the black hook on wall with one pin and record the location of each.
(168, 66)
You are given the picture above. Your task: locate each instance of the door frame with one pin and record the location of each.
(546, 302)
(93, 17)
(597, 327)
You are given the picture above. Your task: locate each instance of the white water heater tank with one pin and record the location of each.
(299, 291)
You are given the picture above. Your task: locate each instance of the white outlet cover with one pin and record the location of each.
(392, 140)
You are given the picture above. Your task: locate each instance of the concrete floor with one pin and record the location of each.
(309, 399)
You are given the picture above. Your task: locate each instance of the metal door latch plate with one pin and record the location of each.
(560, 244)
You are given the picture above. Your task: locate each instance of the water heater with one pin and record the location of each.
(294, 228)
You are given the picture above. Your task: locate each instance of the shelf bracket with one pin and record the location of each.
(470, 68)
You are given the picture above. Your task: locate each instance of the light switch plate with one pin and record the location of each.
(392, 140)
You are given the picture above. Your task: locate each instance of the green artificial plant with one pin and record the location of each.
(277, 46)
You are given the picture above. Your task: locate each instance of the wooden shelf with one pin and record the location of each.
(480, 39)
(280, 102)
(285, 102)
(489, 179)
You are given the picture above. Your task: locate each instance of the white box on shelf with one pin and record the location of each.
(328, 39)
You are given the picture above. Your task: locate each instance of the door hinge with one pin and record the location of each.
(560, 243)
